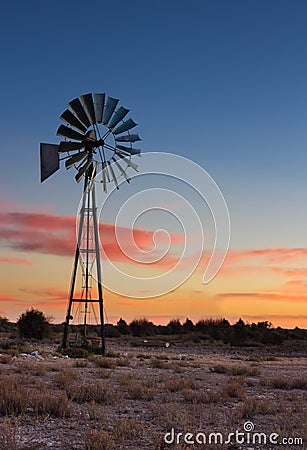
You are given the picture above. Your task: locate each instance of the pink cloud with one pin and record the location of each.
(56, 235)
(8, 299)
(264, 296)
(272, 254)
(13, 260)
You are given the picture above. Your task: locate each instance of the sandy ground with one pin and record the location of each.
(143, 390)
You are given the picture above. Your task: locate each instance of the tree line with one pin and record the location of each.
(34, 324)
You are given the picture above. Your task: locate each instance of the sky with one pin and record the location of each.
(222, 83)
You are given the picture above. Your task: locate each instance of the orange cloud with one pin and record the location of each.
(8, 299)
(13, 260)
(263, 296)
(56, 235)
(272, 254)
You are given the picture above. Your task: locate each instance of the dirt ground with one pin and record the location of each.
(145, 395)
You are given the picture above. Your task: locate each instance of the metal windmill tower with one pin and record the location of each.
(97, 129)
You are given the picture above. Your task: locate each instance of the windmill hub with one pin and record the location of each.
(90, 145)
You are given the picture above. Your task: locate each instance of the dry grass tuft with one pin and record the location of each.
(140, 391)
(286, 383)
(93, 391)
(13, 396)
(65, 378)
(81, 363)
(104, 363)
(127, 429)
(98, 440)
(9, 438)
(159, 364)
(234, 389)
(252, 407)
(49, 403)
(5, 359)
(238, 370)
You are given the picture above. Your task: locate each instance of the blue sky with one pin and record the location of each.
(220, 82)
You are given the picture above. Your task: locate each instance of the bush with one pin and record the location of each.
(75, 352)
(33, 324)
(142, 327)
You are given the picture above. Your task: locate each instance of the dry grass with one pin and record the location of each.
(49, 403)
(139, 391)
(286, 383)
(238, 370)
(159, 364)
(94, 391)
(65, 378)
(252, 407)
(9, 437)
(127, 429)
(131, 402)
(13, 396)
(96, 439)
(5, 359)
(234, 389)
(104, 363)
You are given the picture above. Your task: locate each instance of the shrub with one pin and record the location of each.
(98, 440)
(97, 392)
(239, 370)
(33, 324)
(13, 397)
(75, 352)
(104, 363)
(142, 327)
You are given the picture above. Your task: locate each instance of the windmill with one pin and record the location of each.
(98, 142)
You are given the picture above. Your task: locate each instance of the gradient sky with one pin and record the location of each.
(220, 82)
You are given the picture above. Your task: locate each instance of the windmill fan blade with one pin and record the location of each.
(125, 126)
(113, 175)
(93, 174)
(121, 170)
(67, 132)
(75, 158)
(131, 150)
(128, 162)
(77, 108)
(108, 109)
(104, 179)
(82, 170)
(68, 146)
(118, 116)
(87, 101)
(49, 160)
(72, 120)
(128, 138)
(91, 135)
(98, 106)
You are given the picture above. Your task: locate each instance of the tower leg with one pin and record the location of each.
(75, 268)
(98, 265)
(72, 288)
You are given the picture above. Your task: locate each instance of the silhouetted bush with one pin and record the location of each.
(111, 331)
(175, 326)
(33, 324)
(142, 327)
(123, 327)
(5, 325)
(188, 326)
